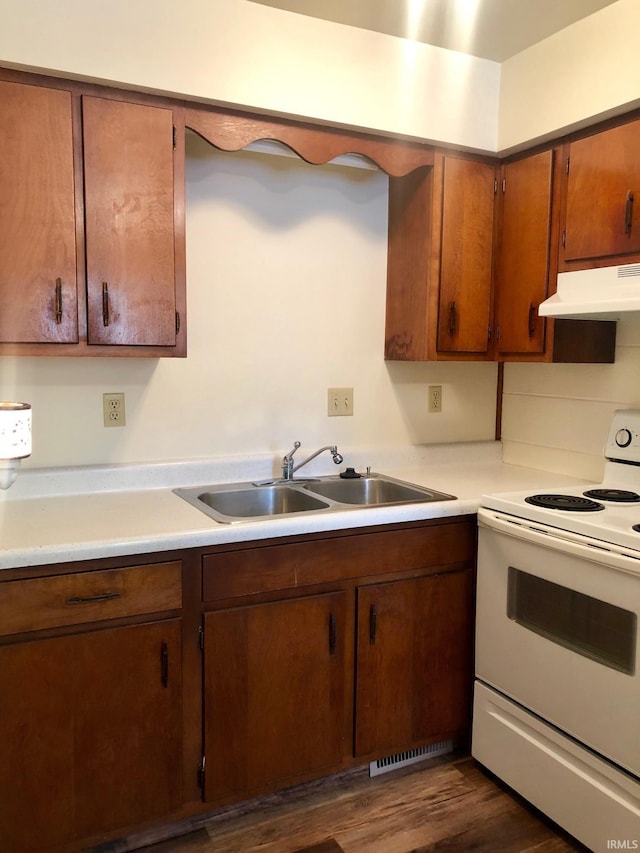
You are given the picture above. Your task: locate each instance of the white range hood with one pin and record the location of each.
(607, 293)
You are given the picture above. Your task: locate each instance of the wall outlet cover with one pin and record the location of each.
(113, 412)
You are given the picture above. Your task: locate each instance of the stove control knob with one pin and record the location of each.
(623, 438)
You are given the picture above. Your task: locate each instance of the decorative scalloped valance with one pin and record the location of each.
(232, 131)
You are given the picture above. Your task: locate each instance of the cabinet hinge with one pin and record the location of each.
(504, 185)
(174, 137)
(495, 186)
(489, 333)
(201, 772)
(177, 322)
(497, 333)
(566, 166)
(564, 239)
(201, 637)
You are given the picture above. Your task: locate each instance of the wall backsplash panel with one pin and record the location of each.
(286, 268)
(557, 416)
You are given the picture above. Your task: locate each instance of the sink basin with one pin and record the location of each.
(236, 502)
(232, 503)
(374, 491)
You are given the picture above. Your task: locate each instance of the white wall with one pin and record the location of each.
(591, 69)
(273, 320)
(239, 53)
(286, 275)
(557, 416)
(245, 54)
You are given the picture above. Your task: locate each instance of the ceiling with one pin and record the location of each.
(492, 29)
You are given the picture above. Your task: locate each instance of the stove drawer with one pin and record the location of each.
(592, 800)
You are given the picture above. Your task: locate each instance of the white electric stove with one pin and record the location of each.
(608, 511)
(557, 691)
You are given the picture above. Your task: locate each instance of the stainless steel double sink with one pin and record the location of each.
(232, 503)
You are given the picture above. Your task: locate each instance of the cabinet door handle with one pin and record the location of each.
(373, 624)
(628, 213)
(332, 634)
(58, 301)
(90, 599)
(164, 664)
(105, 303)
(453, 318)
(532, 320)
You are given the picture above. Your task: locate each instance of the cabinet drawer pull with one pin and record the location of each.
(90, 599)
(628, 213)
(532, 320)
(105, 303)
(164, 664)
(332, 634)
(373, 624)
(453, 318)
(58, 301)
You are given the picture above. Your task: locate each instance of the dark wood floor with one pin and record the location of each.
(445, 804)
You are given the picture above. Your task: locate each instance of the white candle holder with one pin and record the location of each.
(15, 439)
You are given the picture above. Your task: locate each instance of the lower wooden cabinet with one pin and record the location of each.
(320, 679)
(95, 729)
(134, 694)
(90, 711)
(413, 664)
(274, 693)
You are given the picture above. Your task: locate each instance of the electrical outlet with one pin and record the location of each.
(435, 398)
(113, 414)
(339, 401)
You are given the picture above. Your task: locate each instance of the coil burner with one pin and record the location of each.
(568, 503)
(614, 495)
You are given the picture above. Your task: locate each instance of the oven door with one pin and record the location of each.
(557, 631)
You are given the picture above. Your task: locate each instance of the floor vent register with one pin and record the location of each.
(411, 756)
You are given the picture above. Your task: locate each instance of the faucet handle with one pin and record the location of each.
(287, 462)
(289, 455)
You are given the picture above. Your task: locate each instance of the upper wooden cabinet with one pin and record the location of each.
(466, 215)
(439, 286)
(602, 219)
(525, 271)
(522, 261)
(37, 216)
(470, 260)
(129, 230)
(92, 222)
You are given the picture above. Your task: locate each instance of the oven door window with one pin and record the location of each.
(595, 629)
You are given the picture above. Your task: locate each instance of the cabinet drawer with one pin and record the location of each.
(52, 602)
(273, 567)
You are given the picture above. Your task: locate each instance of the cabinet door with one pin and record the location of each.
(90, 734)
(274, 694)
(129, 204)
(522, 268)
(414, 662)
(603, 194)
(38, 295)
(466, 255)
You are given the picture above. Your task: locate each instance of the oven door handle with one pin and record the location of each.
(546, 536)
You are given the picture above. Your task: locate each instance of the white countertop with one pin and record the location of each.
(61, 515)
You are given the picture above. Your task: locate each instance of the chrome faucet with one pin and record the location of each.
(288, 468)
